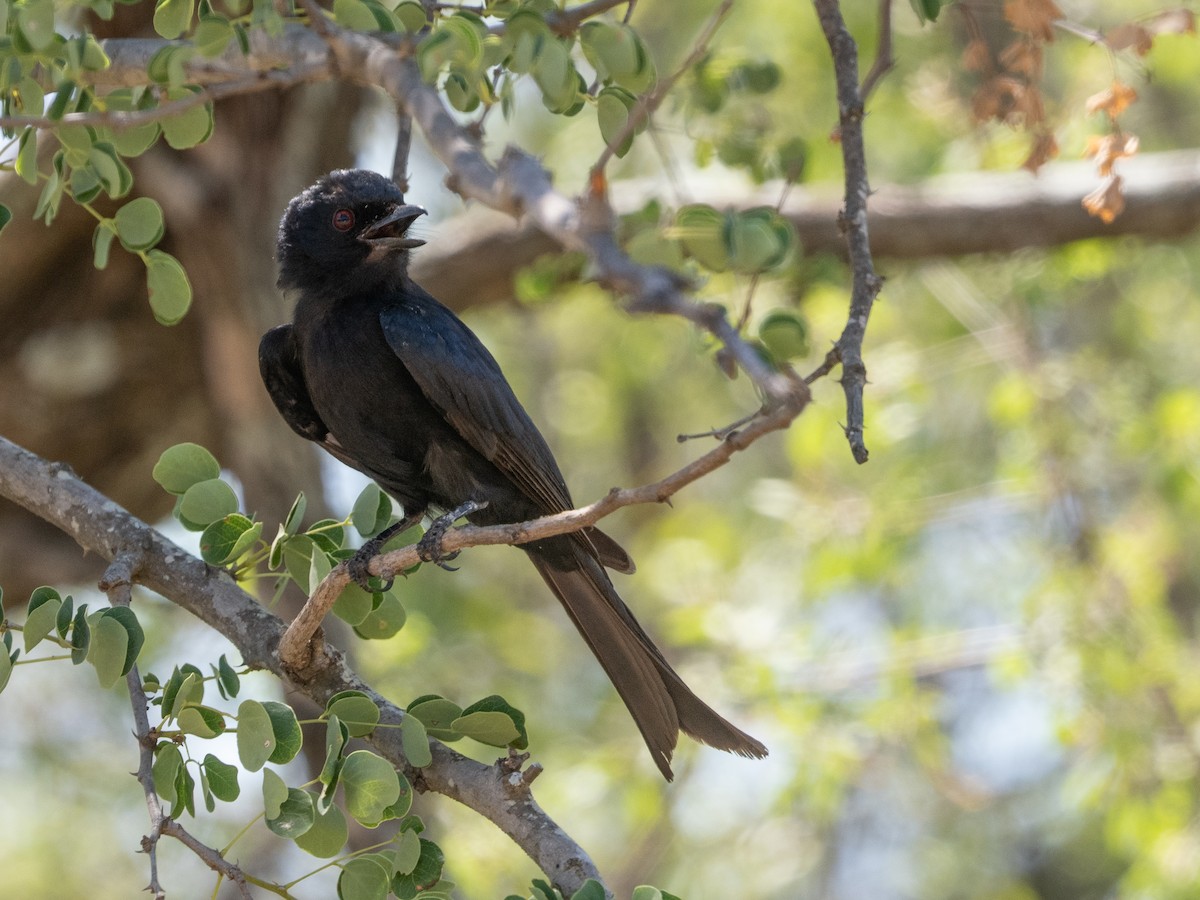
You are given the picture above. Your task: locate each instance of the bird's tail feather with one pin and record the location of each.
(661, 703)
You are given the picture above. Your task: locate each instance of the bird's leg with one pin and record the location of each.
(429, 548)
(357, 564)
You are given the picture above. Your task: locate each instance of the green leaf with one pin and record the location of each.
(591, 890)
(201, 721)
(426, 873)
(130, 141)
(172, 17)
(492, 728)
(288, 737)
(365, 514)
(759, 239)
(438, 715)
(129, 621)
(6, 667)
(228, 677)
(208, 501)
(62, 623)
(5, 216)
(494, 704)
(355, 15)
(110, 643)
(415, 741)
(613, 106)
(85, 185)
(612, 49)
(168, 760)
(784, 333)
(364, 878)
(140, 224)
(81, 636)
(222, 541)
(411, 16)
(41, 615)
(102, 239)
(255, 736)
(181, 466)
(296, 815)
(384, 621)
(296, 514)
(701, 230)
(169, 288)
(407, 853)
(371, 785)
(353, 605)
(26, 163)
(192, 126)
(222, 778)
(327, 836)
(35, 19)
(356, 711)
(336, 737)
(275, 793)
(212, 35)
(926, 10)
(185, 688)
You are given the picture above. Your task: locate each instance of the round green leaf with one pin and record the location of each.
(701, 230)
(168, 760)
(140, 224)
(354, 14)
(411, 15)
(371, 785)
(784, 333)
(613, 106)
(222, 778)
(437, 714)
(364, 878)
(172, 17)
(102, 239)
(110, 642)
(35, 19)
(5, 668)
(40, 621)
(755, 241)
(133, 630)
(170, 290)
(275, 793)
(353, 605)
(220, 540)
(26, 162)
(415, 741)
(426, 873)
(407, 852)
(181, 466)
(201, 721)
(493, 728)
(327, 836)
(208, 501)
(288, 738)
(384, 621)
(296, 815)
(192, 126)
(356, 711)
(255, 737)
(212, 35)
(5, 216)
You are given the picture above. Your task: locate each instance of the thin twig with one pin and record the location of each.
(884, 60)
(866, 283)
(296, 648)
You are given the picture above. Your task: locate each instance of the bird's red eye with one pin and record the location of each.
(343, 220)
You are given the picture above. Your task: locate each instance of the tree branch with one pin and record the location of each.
(853, 219)
(297, 644)
(97, 524)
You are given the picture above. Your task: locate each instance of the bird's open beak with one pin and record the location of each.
(388, 233)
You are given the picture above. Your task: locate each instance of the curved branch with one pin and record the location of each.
(97, 524)
(297, 643)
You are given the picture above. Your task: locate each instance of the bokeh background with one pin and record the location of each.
(973, 658)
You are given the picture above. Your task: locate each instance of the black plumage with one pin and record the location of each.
(391, 382)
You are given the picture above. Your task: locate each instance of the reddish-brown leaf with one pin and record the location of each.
(1034, 17)
(1044, 149)
(1130, 35)
(1107, 201)
(975, 57)
(1113, 101)
(1023, 57)
(1173, 21)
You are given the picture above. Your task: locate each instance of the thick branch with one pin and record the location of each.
(100, 526)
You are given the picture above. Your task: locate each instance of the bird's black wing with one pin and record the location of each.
(279, 365)
(464, 383)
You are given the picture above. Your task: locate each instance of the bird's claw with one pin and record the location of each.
(358, 565)
(429, 548)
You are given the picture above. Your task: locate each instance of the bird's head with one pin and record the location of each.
(349, 229)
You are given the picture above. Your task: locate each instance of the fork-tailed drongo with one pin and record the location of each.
(390, 381)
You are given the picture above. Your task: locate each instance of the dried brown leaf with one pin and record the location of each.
(1107, 201)
(1108, 148)
(1113, 101)
(1173, 21)
(1044, 149)
(1033, 17)
(1130, 35)
(1023, 57)
(975, 56)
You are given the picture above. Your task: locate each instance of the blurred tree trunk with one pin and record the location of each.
(93, 381)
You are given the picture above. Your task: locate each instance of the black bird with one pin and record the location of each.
(391, 382)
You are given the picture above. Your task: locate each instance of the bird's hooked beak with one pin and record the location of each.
(388, 233)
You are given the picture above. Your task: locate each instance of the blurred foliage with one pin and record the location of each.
(972, 658)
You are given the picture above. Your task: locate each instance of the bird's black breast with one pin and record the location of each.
(378, 413)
